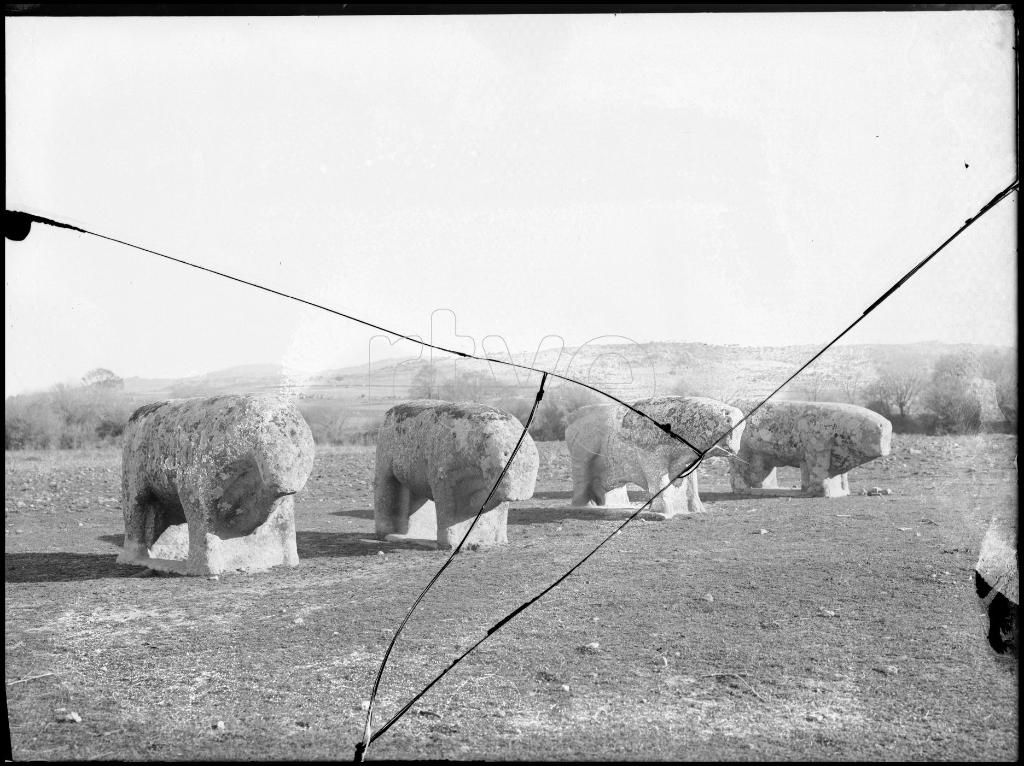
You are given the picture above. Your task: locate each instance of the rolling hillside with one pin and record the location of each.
(629, 371)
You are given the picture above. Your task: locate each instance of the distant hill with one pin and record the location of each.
(346, 405)
(626, 370)
(247, 377)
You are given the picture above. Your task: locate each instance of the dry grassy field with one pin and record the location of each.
(765, 629)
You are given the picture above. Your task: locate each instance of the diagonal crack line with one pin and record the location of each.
(367, 739)
(19, 216)
(897, 285)
(361, 746)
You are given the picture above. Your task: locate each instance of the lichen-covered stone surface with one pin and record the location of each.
(998, 580)
(824, 439)
(227, 467)
(452, 454)
(997, 559)
(611, 446)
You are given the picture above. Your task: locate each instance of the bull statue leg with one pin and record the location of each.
(585, 482)
(390, 502)
(814, 473)
(669, 502)
(693, 503)
(200, 528)
(845, 484)
(398, 512)
(753, 470)
(588, 485)
(457, 505)
(146, 518)
(140, 515)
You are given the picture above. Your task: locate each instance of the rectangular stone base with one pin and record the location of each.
(272, 544)
(491, 529)
(835, 486)
(269, 545)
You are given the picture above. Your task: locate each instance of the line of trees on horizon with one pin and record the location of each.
(955, 395)
(961, 392)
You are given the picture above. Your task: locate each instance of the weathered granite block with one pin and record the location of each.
(612, 446)
(227, 467)
(997, 580)
(824, 439)
(452, 454)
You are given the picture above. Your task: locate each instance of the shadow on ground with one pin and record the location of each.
(314, 545)
(738, 497)
(635, 495)
(555, 495)
(356, 513)
(550, 514)
(64, 567)
(71, 567)
(558, 514)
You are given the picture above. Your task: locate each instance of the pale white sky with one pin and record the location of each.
(727, 178)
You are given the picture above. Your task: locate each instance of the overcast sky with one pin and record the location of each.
(728, 178)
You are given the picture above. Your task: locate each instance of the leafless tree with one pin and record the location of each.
(102, 378)
(853, 375)
(814, 384)
(900, 385)
(427, 383)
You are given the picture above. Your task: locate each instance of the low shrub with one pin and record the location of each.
(957, 410)
(66, 417)
(332, 422)
(554, 411)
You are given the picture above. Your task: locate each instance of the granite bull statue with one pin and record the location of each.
(451, 454)
(997, 580)
(228, 468)
(612, 446)
(825, 439)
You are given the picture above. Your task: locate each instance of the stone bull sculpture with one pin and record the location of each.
(825, 439)
(997, 580)
(451, 454)
(228, 468)
(611, 446)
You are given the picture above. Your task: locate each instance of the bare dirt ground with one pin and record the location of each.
(766, 629)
